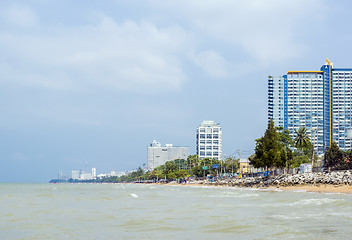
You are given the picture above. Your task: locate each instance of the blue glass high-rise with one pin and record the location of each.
(321, 101)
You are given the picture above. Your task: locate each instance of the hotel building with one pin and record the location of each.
(209, 140)
(158, 155)
(320, 100)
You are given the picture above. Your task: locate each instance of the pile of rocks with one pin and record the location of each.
(315, 179)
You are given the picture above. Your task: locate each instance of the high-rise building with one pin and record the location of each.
(320, 100)
(209, 140)
(158, 155)
(75, 174)
(94, 173)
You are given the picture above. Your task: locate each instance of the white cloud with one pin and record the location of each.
(212, 63)
(20, 15)
(266, 31)
(223, 38)
(129, 56)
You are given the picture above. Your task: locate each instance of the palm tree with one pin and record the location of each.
(301, 140)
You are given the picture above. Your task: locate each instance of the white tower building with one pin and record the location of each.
(209, 140)
(94, 173)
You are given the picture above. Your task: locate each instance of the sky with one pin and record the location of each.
(97, 81)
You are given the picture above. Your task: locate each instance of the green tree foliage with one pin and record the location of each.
(284, 137)
(333, 157)
(299, 159)
(347, 161)
(192, 161)
(270, 150)
(302, 139)
(230, 165)
(289, 154)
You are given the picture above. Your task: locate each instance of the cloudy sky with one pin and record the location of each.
(97, 81)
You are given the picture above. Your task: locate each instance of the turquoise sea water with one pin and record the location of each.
(127, 211)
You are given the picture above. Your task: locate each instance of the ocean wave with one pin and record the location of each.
(235, 195)
(316, 201)
(133, 195)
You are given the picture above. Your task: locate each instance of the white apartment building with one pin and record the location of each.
(209, 140)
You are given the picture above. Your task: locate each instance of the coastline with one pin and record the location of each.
(319, 189)
(323, 188)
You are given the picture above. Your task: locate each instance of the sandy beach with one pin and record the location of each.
(320, 189)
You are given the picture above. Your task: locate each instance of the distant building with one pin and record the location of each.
(244, 166)
(86, 176)
(209, 140)
(94, 173)
(75, 175)
(158, 155)
(112, 174)
(82, 175)
(117, 174)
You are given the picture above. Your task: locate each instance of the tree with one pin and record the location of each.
(197, 171)
(171, 175)
(231, 165)
(333, 157)
(302, 139)
(192, 161)
(347, 161)
(182, 173)
(284, 137)
(269, 149)
(289, 158)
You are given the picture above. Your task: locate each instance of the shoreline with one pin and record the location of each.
(324, 188)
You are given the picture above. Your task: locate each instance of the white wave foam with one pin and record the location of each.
(134, 195)
(316, 201)
(286, 217)
(236, 195)
(299, 191)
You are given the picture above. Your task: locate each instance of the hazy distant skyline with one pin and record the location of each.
(99, 81)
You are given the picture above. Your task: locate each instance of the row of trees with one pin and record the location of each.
(336, 159)
(180, 169)
(274, 149)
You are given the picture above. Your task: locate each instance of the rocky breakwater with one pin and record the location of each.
(337, 178)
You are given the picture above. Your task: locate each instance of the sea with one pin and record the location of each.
(137, 211)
